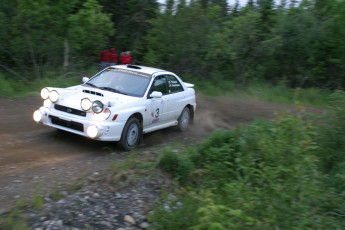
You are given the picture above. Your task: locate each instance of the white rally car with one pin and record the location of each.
(120, 103)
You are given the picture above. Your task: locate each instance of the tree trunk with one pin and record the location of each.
(66, 55)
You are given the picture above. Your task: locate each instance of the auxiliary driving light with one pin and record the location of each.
(92, 131)
(44, 93)
(37, 116)
(85, 104)
(54, 96)
(97, 107)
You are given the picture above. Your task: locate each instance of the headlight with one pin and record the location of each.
(102, 116)
(92, 131)
(54, 96)
(44, 93)
(37, 116)
(85, 104)
(97, 107)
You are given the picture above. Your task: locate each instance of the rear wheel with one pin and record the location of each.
(131, 134)
(184, 119)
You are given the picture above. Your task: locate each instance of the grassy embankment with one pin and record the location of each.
(10, 87)
(287, 173)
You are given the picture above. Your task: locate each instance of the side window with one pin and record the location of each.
(160, 85)
(173, 84)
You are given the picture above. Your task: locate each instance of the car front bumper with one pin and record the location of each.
(84, 126)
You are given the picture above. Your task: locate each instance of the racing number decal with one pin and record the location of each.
(157, 113)
(155, 116)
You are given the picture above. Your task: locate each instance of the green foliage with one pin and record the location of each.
(179, 166)
(175, 213)
(38, 201)
(89, 29)
(13, 88)
(6, 87)
(13, 219)
(41, 36)
(178, 41)
(265, 175)
(283, 94)
(300, 43)
(331, 138)
(279, 93)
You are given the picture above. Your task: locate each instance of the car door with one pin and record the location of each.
(157, 116)
(173, 100)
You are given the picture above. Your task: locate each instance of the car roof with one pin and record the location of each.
(139, 68)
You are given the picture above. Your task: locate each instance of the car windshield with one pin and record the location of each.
(122, 81)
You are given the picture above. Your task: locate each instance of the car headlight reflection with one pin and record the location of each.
(54, 96)
(97, 107)
(85, 104)
(92, 131)
(44, 93)
(103, 115)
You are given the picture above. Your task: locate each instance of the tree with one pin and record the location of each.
(89, 30)
(31, 38)
(266, 9)
(178, 41)
(329, 53)
(38, 34)
(132, 22)
(233, 49)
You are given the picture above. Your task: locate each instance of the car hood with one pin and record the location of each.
(72, 96)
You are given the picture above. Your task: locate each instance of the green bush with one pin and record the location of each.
(9, 87)
(332, 145)
(264, 175)
(177, 165)
(332, 133)
(175, 214)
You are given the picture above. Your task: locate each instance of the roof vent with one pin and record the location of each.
(133, 66)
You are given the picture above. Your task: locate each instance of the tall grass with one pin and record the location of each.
(14, 88)
(286, 173)
(265, 91)
(10, 87)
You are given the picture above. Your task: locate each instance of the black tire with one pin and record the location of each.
(131, 134)
(184, 119)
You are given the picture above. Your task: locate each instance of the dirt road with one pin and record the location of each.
(35, 158)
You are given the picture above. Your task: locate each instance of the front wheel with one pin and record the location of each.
(131, 134)
(184, 119)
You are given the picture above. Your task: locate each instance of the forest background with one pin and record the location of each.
(295, 43)
(287, 173)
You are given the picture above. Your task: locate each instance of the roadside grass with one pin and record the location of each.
(266, 92)
(286, 173)
(14, 88)
(13, 220)
(138, 164)
(38, 201)
(280, 93)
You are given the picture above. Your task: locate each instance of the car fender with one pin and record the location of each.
(125, 113)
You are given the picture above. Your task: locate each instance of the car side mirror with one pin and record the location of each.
(85, 79)
(156, 94)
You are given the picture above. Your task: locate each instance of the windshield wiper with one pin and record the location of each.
(112, 90)
(87, 83)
